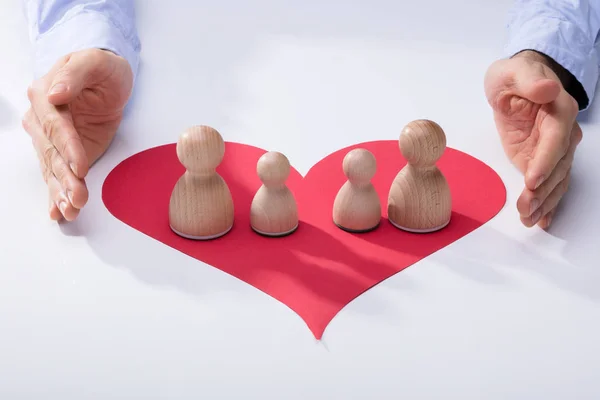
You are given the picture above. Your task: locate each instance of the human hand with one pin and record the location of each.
(75, 111)
(535, 118)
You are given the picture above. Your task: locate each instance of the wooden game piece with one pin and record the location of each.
(273, 211)
(419, 198)
(357, 207)
(201, 205)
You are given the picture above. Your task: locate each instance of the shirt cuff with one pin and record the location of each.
(85, 30)
(564, 44)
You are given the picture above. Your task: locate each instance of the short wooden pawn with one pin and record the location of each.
(357, 207)
(273, 211)
(419, 198)
(201, 204)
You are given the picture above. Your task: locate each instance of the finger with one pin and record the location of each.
(31, 126)
(81, 70)
(518, 77)
(60, 199)
(74, 188)
(550, 203)
(53, 209)
(531, 200)
(554, 139)
(40, 144)
(546, 221)
(57, 126)
(54, 212)
(52, 164)
(576, 133)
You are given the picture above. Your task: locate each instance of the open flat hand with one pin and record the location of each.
(75, 111)
(535, 118)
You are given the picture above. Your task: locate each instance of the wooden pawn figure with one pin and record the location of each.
(273, 211)
(201, 205)
(357, 207)
(419, 198)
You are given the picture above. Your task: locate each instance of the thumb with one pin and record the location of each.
(79, 72)
(521, 78)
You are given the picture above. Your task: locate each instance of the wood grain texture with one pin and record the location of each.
(273, 211)
(201, 205)
(419, 199)
(357, 207)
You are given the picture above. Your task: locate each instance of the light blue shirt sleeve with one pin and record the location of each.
(565, 30)
(60, 27)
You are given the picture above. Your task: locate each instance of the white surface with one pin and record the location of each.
(95, 310)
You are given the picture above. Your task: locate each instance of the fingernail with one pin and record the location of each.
(74, 169)
(549, 218)
(58, 88)
(62, 206)
(536, 216)
(535, 203)
(539, 182)
(70, 196)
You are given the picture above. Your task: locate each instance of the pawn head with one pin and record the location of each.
(200, 148)
(359, 166)
(422, 143)
(273, 168)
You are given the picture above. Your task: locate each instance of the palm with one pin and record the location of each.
(519, 123)
(98, 110)
(535, 118)
(76, 109)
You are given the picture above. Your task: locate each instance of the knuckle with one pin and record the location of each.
(573, 106)
(31, 91)
(50, 124)
(26, 122)
(46, 173)
(48, 156)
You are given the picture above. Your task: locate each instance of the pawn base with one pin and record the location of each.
(207, 237)
(357, 230)
(275, 234)
(415, 230)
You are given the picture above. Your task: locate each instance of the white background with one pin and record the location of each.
(96, 310)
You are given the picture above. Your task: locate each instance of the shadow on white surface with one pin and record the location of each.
(576, 223)
(566, 264)
(160, 266)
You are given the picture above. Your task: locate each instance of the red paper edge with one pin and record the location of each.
(318, 331)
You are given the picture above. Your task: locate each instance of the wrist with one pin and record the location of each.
(562, 75)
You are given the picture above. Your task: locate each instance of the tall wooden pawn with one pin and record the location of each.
(201, 205)
(273, 211)
(419, 198)
(356, 207)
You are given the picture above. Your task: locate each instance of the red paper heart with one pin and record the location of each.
(320, 268)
